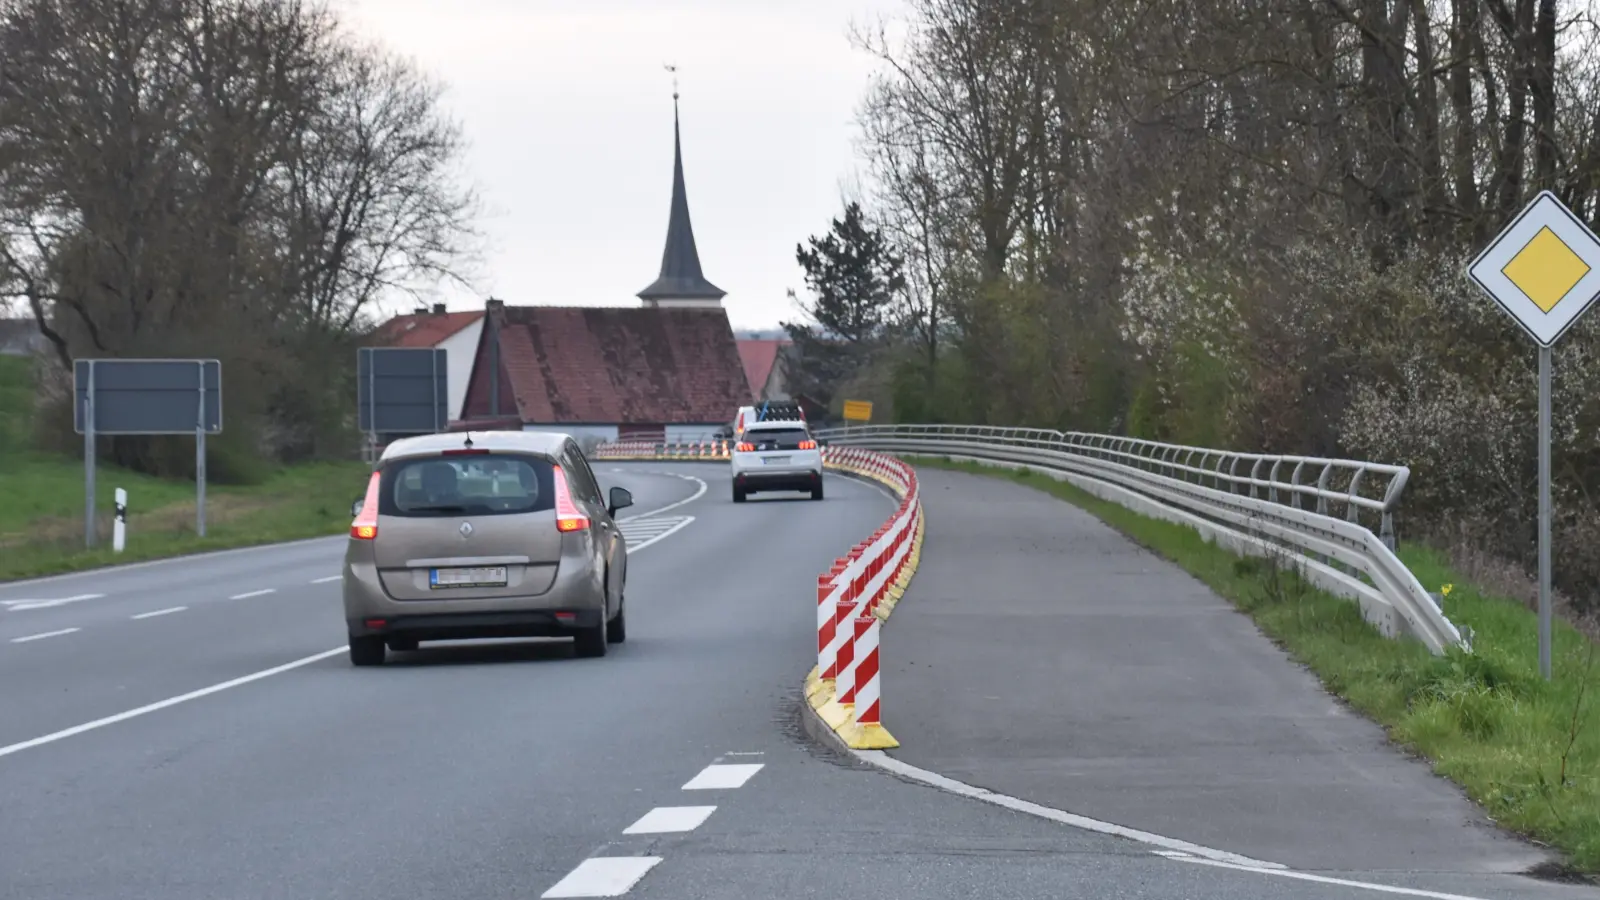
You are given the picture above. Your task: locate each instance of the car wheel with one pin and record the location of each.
(816, 492)
(591, 642)
(738, 495)
(366, 650)
(403, 645)
(617, 629)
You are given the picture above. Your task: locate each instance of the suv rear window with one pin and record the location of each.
(475, 485)
(776, 438)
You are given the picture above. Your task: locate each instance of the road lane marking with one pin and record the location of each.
(328, 579)
(15, 605)
(190, 560)
(1324, 879)
(260, 593)
(671, 819)
(171, 701)
(603, 876)
(690, 499)
(718, 777)
(885, 761)
(43, 635)
(160, 612)
(641, 533)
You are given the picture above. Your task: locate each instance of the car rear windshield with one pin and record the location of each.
(776, 438)
(473, 485)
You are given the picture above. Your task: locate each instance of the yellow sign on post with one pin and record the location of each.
(858, 410)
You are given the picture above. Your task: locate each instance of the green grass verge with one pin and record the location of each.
(1527, 750)
(299, 502)
(41, 502)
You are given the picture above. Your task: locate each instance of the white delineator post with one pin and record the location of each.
(119, 524)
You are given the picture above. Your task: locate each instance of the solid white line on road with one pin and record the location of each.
(171, 701)
(1324, 879)
(328, 579)
(160, 612)
(722, 777)
(690, 499)
(603, 876)
(47, 634)
(260, 593)
(667, 819)
(15, 605)
(885, 761)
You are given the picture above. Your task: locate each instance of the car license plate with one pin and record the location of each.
(483, 576)
(775, 460)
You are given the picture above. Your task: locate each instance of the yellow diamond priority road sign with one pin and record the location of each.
(1543, 269)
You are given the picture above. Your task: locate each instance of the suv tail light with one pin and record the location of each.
(746, 447)
(568, 516)
(365, 527)
(808, 445)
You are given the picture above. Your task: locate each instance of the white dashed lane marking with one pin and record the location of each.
(603, 876)
(39, 637)
(160, 612)
(19, 605)
(328, 579)
(249, 594)
(671, 819)
(723, 777)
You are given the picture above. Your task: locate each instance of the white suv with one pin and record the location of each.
(776, 456)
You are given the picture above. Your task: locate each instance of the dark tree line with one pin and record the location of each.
(1244, 223)
(239, 179)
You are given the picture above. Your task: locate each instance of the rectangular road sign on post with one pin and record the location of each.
(858, 410)
(146, 397)
(402, 390)
(1544, 271)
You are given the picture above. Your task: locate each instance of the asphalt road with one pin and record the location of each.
(184, 740)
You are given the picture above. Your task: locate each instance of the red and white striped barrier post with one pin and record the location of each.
(864, 677)
(844, 691)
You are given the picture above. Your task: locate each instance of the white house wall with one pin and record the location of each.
(461, 349)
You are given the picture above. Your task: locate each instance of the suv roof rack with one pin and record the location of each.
(787, 411)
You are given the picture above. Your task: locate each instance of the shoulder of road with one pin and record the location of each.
(1041, 655)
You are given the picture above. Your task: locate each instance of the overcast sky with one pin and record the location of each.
(568, 112)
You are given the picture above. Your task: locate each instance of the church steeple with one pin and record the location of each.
(681, 282)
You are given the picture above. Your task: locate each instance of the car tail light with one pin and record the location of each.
(568, 516)
(365, 527)
(808, 445)
(746, 447)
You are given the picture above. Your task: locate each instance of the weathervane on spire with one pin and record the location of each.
(673, 68)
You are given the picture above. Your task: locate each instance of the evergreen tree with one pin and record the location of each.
(853, 277)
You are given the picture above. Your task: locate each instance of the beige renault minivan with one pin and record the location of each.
(489, 534)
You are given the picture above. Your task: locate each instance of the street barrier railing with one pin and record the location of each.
(854, 597)
(662, 450)
(1253, 504)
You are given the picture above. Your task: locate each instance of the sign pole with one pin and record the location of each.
(88, 461)
(1543, 269)
(200, 460)
(1544, 512)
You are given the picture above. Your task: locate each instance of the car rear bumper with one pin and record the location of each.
(464, 626)
(751, 481)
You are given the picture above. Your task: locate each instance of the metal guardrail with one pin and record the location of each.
(1254, 503)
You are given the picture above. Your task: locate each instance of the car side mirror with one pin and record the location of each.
(355, 508)
(620, 498)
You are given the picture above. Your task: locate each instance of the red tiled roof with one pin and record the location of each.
(424, 329)
(759, 356)
(613, 365)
